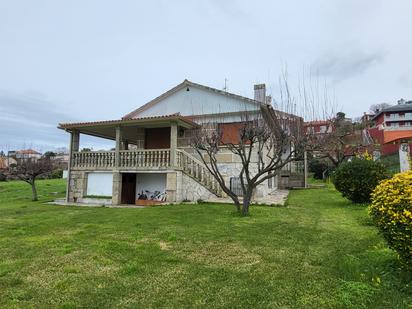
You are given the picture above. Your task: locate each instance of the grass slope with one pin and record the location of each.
(319, 252)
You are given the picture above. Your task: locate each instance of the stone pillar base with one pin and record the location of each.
(171, 187)
(117, 188)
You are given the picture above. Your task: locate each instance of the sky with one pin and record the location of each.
(63, 61)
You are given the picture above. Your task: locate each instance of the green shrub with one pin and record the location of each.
(317, 167)
(57, 173)
(357, 179)
(391, 211)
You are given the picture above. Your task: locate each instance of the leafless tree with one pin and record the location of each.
(29, 169)
(334, 143)
(375, 108)
(344, 140)
(267, 140)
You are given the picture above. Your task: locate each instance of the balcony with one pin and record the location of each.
(397, 117)
(398, 128)
(128, 159)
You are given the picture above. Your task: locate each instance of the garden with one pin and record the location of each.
(320, 251)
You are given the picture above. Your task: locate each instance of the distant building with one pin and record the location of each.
(5, 162)
(318, 127)
(27, 154)
(393, 126)
(366, 119)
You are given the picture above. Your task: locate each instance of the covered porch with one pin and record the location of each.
(142, 146)
(141, 143)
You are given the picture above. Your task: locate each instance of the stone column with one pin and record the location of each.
(171, 186)
(173, 144)
(404, 157)
(73, 147)
(117, 176)
(118, 147)
(117, 188)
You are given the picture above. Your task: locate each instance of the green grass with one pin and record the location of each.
(319, 252)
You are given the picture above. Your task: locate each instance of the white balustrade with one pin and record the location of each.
(145, 158)
(93, 159)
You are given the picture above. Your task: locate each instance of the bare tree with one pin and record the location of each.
(29, 169)
(267, 140)
(376, 108)
(333, 144)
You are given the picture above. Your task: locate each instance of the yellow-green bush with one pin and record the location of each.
(391, 210)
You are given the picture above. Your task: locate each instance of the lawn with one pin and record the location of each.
(318, 252)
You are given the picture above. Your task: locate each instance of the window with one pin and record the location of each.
(231, 132)
(322, 129)
(271, 181)
(236, 186)
(310, 130)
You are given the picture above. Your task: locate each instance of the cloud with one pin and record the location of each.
(30, 120)
(346, 65)
(405, 79)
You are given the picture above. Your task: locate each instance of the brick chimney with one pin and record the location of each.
(260, 93)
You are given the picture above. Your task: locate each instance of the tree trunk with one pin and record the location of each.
(34, 191)
(237, 205)
(246, 202)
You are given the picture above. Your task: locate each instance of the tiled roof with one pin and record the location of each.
(316, 122)
(176, 116)
(28, 151)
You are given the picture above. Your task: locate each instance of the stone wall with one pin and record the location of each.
(230, 166)
(190, 190)
(77, 185)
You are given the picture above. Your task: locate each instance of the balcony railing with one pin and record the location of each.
(394, 117)
(398, 128)
(145, 158)
(149, 158)
(93, 159)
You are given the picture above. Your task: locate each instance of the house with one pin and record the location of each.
(393, 126)
(27, 154)
(6, 162)
(366, 119)
(318, 127)
(153, 157)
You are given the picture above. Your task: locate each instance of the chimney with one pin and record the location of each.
(260, 93)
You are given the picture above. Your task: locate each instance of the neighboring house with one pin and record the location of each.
(393, 126)
(153, 152)
(27, 154)
(318, 127)
(5, 162)
(61, 159)
(366, 119)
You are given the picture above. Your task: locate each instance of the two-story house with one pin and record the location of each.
(153, 156)
(393, 126)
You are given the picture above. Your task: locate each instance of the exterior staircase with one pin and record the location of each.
(195, 169)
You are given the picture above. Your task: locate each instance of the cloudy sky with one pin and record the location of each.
(93, 60)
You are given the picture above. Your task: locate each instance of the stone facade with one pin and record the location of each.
(77, 186)
(172, 186)
(190, 190)
(117, 188)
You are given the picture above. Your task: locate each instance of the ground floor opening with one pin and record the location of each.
(143, 187)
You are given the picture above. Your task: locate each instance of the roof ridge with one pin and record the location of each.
(182, 85)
